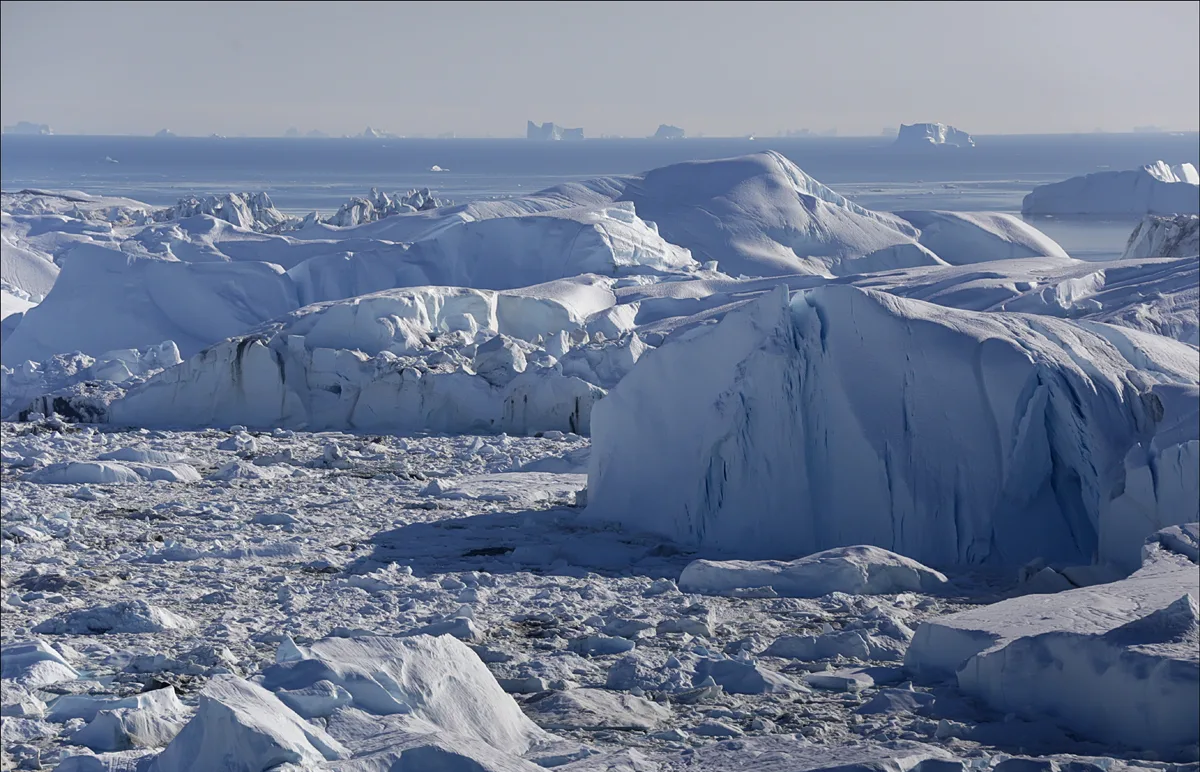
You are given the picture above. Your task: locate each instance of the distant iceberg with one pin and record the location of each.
(667, 131)
(25, 127)
(369, 133)
(551, 131)
(165, 134)
(1156, 188)
(923, 134)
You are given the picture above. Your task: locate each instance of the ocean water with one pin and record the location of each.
(306, 174)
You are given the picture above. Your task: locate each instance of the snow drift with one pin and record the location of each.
(854, 417)
(1152, 189)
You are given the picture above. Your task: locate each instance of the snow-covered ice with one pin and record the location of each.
(1155, 236)
(843, 416)
(1156, 188)
(1115, 662)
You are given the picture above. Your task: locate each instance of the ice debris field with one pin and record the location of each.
(706, 468)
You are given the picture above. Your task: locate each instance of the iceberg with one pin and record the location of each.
(253, 211)
(1115, 663)
(379, 205)
(436, 680)
(667, 131)
(932, 134)
(848, 416)
(551, 131)
(1156, 188)
(961, 238)
(29, 128)
(1156, 236)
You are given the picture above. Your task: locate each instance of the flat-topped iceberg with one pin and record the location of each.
(932, 134)
(1156, 188)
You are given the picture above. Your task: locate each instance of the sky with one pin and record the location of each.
(614, 68)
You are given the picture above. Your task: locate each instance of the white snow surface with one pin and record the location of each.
(1156, 188)
(847, 416)
(962, 238)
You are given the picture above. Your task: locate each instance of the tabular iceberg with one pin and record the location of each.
(1156, 188)
(932, 134)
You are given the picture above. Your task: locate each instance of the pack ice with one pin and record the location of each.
(853, 483)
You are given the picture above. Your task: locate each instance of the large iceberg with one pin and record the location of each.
(1155, 188)
(848, 416)
(935, 134)
(29, 128)
(1156, 236)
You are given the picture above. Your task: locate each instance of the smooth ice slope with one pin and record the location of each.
(961, 238)
(106, 300)
(851, 417)
(1152, 189)
(1155, 236)
(1114, 662)
(23, 268)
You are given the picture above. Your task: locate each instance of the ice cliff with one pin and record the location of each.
(1156, 188)
(847, 416)
(926, 134)
(1156, 236)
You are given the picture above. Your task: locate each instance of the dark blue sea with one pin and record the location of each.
(306, 174)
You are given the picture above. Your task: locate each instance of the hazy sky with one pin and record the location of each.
(612, 67)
